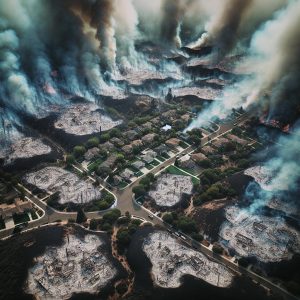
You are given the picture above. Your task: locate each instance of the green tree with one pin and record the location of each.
(139, 191)
(81, 217)
(217, 248)
(244, 262)
(93, 142)
(93, 224)
(111, 216)
(123, 237)
(120, 158)
(168, 218)
(103, 171)
(70, 159)
(78, 151)
(197, 237)
(115, 132)
(104, 137)
(186, 225)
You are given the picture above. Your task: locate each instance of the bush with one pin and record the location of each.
(70, 159)
(115, 132)
(244, 262)
(197, 237)
(111, 216)
(103, 171)
(186, 225)
(93, 142)
(217, 248)
(79, 151)
(106, 227)
(206, 163)
(104, 137)
(93, 224)
(139, 191)
(168, 218)
(81, 217)
(123, 237)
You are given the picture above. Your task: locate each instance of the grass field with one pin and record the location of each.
(160, 158)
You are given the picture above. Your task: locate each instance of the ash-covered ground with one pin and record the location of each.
(268, 239)
(84, 119)
(172, 260)
(204, 93)
(170, 188)
(70, 187)
(263, 176)
(79, 265)
(138, 76)
(23, 147)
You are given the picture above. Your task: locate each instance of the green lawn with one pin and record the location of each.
(183, 145)
(22, 218)
(160, 158)
(166, 155)
(176, 171)
(34, 215)
(155, 163)
(139, 173)
(122, 185)
(149, 166)
(93, 166)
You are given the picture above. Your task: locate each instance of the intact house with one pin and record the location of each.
(18, 207)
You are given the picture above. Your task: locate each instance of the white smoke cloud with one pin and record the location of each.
(272, 60)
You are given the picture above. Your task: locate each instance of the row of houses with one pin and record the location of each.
(18, 207)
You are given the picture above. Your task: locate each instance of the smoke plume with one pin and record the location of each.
(274, 65)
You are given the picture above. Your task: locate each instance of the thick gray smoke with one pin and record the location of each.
(173, 13)
(274, 65)
(14, 88)
(284, 172)
(223, 27)
(232, 23)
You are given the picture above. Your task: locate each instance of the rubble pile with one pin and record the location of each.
(172, 260)
(137, 77)
(79, 265)
(262, 175)
(267, 238)
(170, 188)
(84, 119)
(114, 92)
(70, 187)
(200, 92)
(286, 207)
(24, 147)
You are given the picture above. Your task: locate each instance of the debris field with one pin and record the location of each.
(172, 260)
(70, 187)
(79, 265)
(84, 119)
(170, 188)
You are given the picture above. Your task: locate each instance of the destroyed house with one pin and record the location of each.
(259, 227)
(244, 240)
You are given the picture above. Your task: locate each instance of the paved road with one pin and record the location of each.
(125, 197)
(126, 203)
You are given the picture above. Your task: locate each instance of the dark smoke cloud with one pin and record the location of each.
(225, 37)
(274, 64)
(172, 14)
(99, 14)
